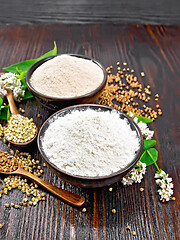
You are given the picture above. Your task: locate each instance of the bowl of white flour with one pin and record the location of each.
(90, 145)
(67, 79)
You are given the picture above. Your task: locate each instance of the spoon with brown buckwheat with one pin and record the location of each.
(9, 165)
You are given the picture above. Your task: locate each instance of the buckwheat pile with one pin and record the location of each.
(124, 92)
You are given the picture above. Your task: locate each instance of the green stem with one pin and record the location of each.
(153, 160)
(156, 166)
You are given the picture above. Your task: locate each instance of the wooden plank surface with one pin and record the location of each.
(154, 50)
(91, 11)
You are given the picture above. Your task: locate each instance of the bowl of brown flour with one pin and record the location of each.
(65, 80)
(90, 145)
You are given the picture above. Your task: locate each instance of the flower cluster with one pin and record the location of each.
(11, 81)
(162, 180)
(146, 132)
(135, 175)
(165, 184)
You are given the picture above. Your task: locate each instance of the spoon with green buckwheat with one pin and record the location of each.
(19, 131)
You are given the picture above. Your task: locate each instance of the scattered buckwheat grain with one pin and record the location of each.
(124, 92)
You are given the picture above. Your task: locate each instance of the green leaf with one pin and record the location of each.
(143, 119)
(149, 156)
(1, 102)
(49, 54)
(153, 153)
(22, 76)
(148, 144)
(5, 113)
(8, 114)
(27, 95)
(25, 65)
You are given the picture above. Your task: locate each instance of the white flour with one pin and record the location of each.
(67, 76)
(90, 143)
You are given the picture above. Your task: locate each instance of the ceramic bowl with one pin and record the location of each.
(55, 103)
(89, 182)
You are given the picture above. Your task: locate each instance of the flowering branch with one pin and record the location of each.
(149, 157)
(165, 184)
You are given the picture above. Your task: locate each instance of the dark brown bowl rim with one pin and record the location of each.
(128, 167)
(37, 64)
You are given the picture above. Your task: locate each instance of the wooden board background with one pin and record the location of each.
(90, 11)
(154, 50)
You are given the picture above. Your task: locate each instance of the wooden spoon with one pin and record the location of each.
(14, 111)
(68, 197)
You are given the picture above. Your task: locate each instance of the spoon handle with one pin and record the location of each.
(68, 197)
(11, 102)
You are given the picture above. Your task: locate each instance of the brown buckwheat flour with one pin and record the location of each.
(67, 76)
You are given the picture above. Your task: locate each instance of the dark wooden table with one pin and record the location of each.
(91, 11)
(152, 49)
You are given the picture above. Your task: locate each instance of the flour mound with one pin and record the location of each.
(90, 143)
(67, 76)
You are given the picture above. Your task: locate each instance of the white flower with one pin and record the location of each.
(127, 181)
(162, 192)
(11, 81)
(2, 92)
(166, 187)
(139, 178)
(131, 114)
(162, 184)
(135, 175)
(156, 175)
(163, 175)
(146, 132)
(149, 134)
(136, 120)
(168, 180)
(158, 181)
(143, 165)
(142, 126)
(170, 191)
(18, 93)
